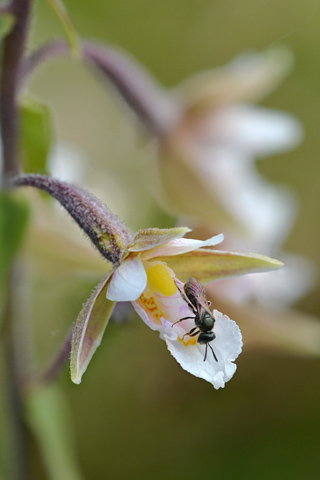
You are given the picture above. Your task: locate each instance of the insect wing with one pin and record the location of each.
(196, 294)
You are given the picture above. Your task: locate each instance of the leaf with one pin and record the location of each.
(69, 29)
(49, 418)
(6, 24)
(209, 265)
(36, 135)
(89, 329)
(14, 215)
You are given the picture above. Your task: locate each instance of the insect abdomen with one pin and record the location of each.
(206, 337)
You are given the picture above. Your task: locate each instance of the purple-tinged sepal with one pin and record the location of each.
(89, 329)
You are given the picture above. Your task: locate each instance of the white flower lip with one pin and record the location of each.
(227, 347)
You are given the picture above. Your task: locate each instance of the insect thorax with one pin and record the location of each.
(207, 321)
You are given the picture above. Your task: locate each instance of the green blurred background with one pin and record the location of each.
(137, 414)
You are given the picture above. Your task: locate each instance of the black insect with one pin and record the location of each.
(195, 295)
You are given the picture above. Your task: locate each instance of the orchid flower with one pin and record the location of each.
(210, 133)
(148, 275)
(215, 143)
(149, 269)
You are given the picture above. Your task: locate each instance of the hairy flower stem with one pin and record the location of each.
(108, 234)
(13, 49)
(140, 91)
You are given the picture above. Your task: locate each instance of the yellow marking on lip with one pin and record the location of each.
(161, 280)
(150, 305)
(190, 341)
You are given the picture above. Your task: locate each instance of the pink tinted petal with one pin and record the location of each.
(227, 346)
(181, 245)
(128, 280)
(146, 316)
(159, 312)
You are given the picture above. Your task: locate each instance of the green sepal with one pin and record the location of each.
(36, 135)
(89, 329)
(209, 265)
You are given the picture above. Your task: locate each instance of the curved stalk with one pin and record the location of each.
(144, 96)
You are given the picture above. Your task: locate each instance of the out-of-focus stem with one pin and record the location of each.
(157, 110)
(5, 8)
(11, 60)
(14, 385)
(58, 363)
(13, 49)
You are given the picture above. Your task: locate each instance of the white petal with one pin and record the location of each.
(227, 346)
(181, 245)
(128, 281)
(266, 210)
(254, 130)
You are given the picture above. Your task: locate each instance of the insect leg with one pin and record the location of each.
(192, 332)
(181, 320)
(215, 357)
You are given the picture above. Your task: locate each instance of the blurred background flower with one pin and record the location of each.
(213, 147)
